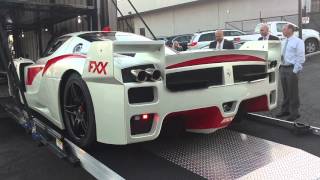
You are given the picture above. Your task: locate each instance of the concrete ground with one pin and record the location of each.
(309, 84)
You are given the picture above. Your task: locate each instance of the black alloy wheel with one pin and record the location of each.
(78, 112)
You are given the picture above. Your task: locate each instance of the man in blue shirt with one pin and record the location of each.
(293, 57)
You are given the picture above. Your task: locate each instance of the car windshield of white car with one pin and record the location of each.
(99, 36)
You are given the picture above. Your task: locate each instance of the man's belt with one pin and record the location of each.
(287, 66)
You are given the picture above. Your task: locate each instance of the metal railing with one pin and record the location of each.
(248, 25)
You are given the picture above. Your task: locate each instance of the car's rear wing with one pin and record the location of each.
(259, 50)
(138, 46)
(272, 47)
(100, 62)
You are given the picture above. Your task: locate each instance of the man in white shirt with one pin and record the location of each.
(293, 57)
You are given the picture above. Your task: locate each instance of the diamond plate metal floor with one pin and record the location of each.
(230, 155)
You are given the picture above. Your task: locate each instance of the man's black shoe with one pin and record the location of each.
(282, 114)
(293, 118)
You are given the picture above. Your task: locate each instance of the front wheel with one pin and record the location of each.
(312, 46)
(78, 112)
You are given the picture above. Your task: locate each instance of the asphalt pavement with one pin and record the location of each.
(22, 159)
(309, 87)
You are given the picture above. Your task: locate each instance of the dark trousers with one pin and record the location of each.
(290, 87)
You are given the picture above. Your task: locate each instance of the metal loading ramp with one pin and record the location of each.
(231, 155)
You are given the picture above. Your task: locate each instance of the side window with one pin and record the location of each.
(54, 46)
(257, 29)
(235, 33)
(179, 39)
(227, 33)
(280, 27)
(184, 39)
(77, 49)
(207, 37)
(188, 38)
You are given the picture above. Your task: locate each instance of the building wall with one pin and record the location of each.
(208, 14)
(315, 5)
(148, 5)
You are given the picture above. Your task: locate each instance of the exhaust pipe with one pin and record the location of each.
(139, 74)
(154, 74)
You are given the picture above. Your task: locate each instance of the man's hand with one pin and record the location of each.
(297, 68)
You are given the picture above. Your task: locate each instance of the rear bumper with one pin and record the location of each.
(113, 110)
(196, 105)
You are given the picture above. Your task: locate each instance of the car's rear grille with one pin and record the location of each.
(194, 79)
(243, 73)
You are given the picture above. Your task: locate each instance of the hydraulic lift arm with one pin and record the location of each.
(138, 14)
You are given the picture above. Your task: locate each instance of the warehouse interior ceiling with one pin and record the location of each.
(18, 16)
(28, 15)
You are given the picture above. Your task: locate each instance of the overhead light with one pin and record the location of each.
(9, 20)
(79, 20)
(10, 38)
(22, 34)
(46, 29)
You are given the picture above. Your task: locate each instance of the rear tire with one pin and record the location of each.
(78, 112)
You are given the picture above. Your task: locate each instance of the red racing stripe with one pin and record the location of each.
(204, 118)
(59, 58)
(216, 59)
(32, 73)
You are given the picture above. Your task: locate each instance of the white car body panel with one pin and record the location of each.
(109, 92)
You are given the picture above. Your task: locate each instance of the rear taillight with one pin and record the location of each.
(142, 123)
(193, 44)
(237, 40)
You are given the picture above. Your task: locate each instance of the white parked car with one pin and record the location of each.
(202, 39)
(311, 37)
(119, 88)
